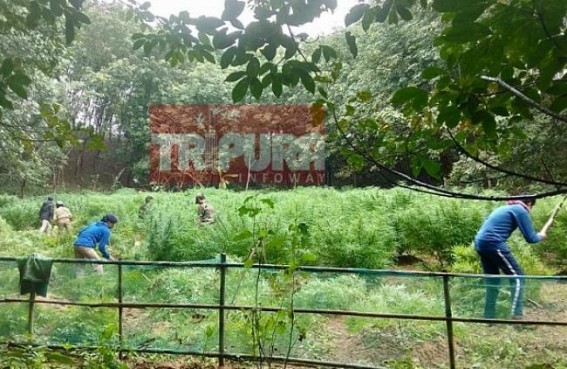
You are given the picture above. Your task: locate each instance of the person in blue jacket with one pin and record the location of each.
(91, 235)
(495, 255)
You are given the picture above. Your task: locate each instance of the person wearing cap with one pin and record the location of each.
(495, 255)
(205, 211)
(46, 216)
(63, 216)
(93, 234)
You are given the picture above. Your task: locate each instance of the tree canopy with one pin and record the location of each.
(501, 66)
(460, 91)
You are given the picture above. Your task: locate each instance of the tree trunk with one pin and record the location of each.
(22, 187)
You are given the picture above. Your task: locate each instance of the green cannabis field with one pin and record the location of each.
(363, 229)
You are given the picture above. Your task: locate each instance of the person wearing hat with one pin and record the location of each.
(46, 216)
(205, 212)
(91, 235)
(63, 216)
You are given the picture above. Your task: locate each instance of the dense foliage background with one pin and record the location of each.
(74, 114)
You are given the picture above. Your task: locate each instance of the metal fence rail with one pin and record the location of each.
(222, 266)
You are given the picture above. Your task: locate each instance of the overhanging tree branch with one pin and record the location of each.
(519, 94)
(501, 170)
(431, 189)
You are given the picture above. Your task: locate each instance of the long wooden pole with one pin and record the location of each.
(553, 215)
(31, 313)
(558, 207)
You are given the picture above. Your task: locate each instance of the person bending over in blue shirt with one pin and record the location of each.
(90, 236)
(495, 255)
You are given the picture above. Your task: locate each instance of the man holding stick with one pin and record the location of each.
(495, 255)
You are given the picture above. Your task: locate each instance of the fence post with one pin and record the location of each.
(449, 322)
(120, 311)
(30, 313)
(221, 307)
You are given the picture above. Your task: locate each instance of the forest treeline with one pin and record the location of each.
(84, 120)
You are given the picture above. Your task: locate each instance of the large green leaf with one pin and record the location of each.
(69, 30)
(328, 53)
(18, 83)
(415, 95)
(81, 18)
(404, 12)
(241, 57)
(368, 18)
(227, 57)
(432, 72)
(307, 82)
(351, 41)
(559, 104)
(235, 76)
(256, 87)
(232, 9)
(316, 56)
(432, 168)
(4, 102)
(222, 40)
(139, 43)
(266, 67)
(207, 55)
(383, 11)
(355, 14)
(7, 67)
(267, 80)
(269, 51)
(240, 89)
(291, 46)
(253, 67)
(465, 32)
(208, 24)
(277, 87)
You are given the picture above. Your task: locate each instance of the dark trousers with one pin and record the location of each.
(493, 262)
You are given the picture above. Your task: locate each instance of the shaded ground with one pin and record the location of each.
(194, 364)
(385, 345)
(378, 346)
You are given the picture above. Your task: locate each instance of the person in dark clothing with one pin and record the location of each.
(145, 207)
(46, 215)
(91, 235)
(495, 255)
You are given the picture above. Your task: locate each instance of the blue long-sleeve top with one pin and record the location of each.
(97, 232)
(500, 224)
